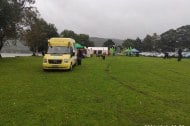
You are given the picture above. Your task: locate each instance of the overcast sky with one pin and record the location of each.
(115, 18)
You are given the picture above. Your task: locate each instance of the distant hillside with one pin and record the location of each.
(98, 42)
(18, 48)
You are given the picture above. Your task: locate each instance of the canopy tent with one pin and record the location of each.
(135, 50)
(132, 50)
(78, 46)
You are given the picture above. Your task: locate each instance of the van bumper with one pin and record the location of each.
(56, 66)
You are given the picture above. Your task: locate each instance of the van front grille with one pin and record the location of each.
(55, 61)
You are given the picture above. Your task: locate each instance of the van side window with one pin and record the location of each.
(72, 51)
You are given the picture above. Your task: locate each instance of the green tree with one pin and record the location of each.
(183, 37)
(172, 39)
(138, 43)
(109, 43)
(83, 39)
(38, 34)
(13, 18)
(147, 43)
(68, 34)
(156, 42)
(128, 43)
(169, 40)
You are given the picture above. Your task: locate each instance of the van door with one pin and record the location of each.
(73, 56)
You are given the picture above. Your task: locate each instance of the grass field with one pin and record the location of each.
(120, 91)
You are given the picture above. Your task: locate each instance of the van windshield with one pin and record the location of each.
(58, 50)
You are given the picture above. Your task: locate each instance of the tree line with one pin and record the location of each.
(168, 41)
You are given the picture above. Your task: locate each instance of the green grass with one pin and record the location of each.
(120, 91)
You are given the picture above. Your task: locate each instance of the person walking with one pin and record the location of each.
(179, 55)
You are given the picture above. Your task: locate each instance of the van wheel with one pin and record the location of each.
(71, 67)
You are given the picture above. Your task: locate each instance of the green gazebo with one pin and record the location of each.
(79, 46)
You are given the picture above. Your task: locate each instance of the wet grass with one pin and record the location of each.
(124, 91)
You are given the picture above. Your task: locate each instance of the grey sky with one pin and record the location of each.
(115, 18)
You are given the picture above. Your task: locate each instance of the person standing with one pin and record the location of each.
(104, 56)
(179, 55)
(79, 57)
(166, 55)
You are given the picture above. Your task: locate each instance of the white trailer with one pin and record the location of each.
(97, 50)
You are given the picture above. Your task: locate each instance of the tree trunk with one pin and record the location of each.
(1, 45)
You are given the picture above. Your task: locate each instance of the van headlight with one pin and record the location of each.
(45, 60)
(66, 60)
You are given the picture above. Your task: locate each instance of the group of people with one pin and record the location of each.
(80, 56)
(166, 55)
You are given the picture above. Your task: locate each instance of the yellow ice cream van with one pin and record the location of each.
(61, 54)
